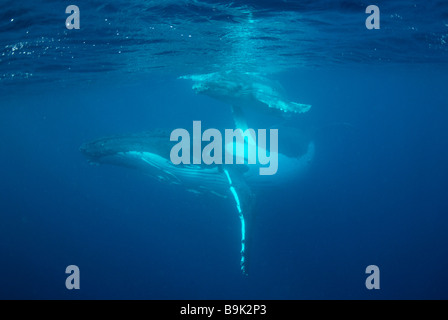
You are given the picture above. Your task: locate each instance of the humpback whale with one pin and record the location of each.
(149, 152)
(245, 89)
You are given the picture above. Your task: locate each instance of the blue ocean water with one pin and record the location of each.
(375, 194)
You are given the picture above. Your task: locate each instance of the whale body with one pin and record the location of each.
(149, 152)
(247, 90)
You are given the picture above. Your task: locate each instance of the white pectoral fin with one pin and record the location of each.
(286, 106)
(244, 201)
(261, 96)
(291, 107)
(300, 107)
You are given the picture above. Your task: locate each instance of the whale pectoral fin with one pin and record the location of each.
(299, 107)
(286, 106)
(245, 201)
(264, 98)
(290, 107)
